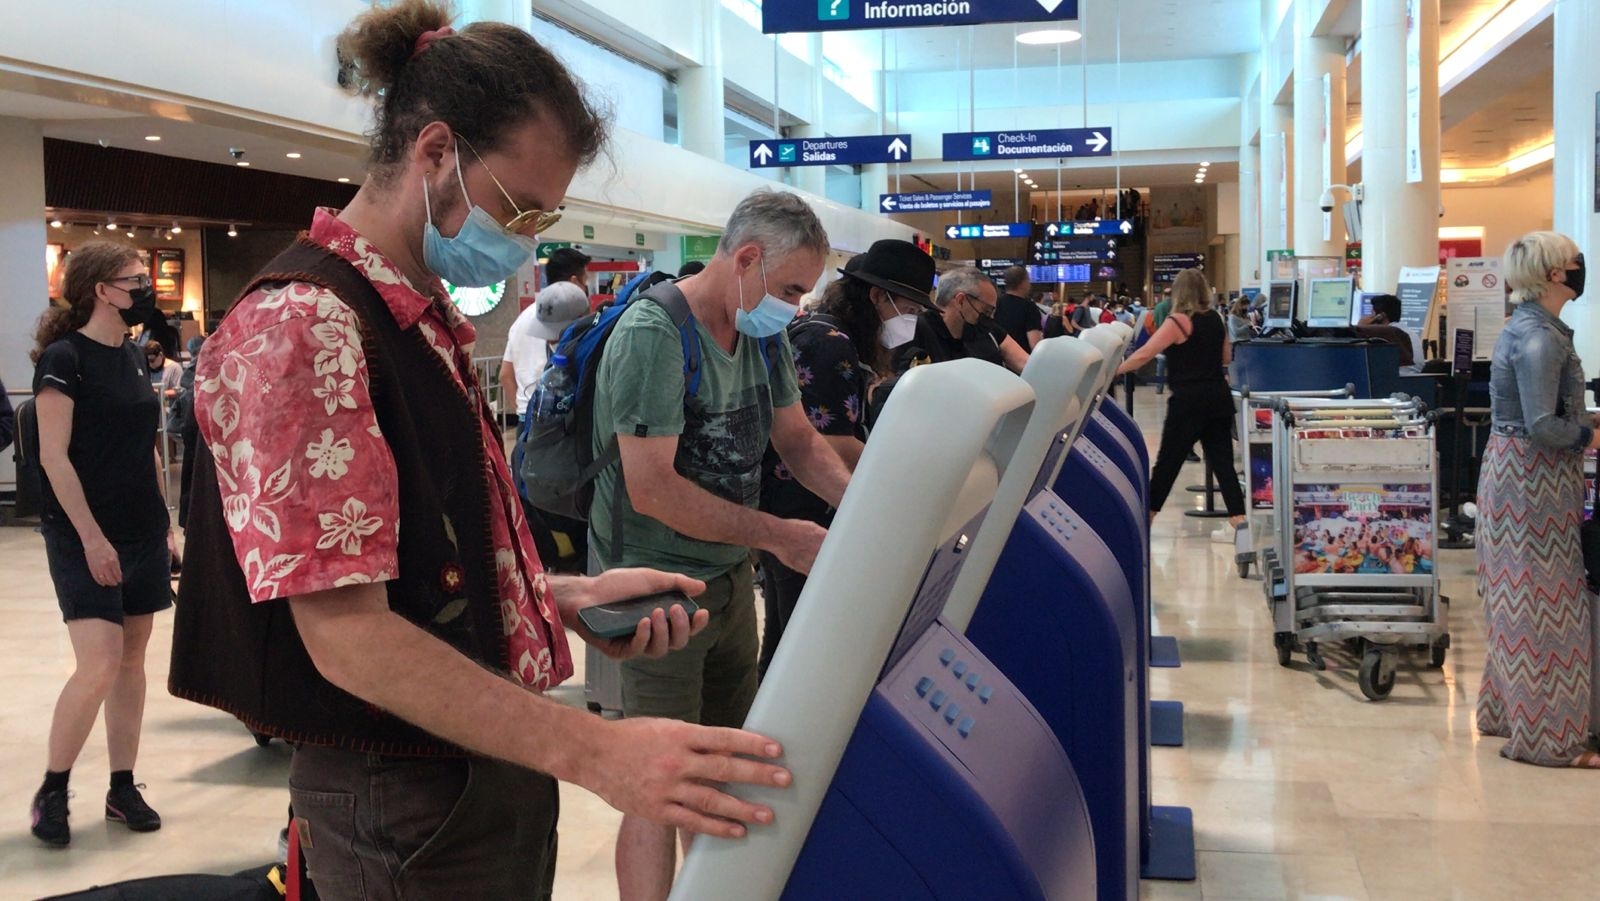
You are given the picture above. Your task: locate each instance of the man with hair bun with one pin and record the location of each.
(359, 579)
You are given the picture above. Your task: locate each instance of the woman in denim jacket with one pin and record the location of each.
(1536, 680)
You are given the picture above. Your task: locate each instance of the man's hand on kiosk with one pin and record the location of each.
(663, 632)
(797, 543)
(667, 771)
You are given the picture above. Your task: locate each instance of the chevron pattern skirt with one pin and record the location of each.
(1536, 680)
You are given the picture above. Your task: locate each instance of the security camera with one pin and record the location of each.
(236, 152)
(1326, 202)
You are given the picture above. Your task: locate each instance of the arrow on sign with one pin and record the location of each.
(898, 148)
(1051, 229)
(1127, 227)
(1038, 245)
(763, 154)
(889, 204)
(1049, 5)
(1098, 142)
(951, 232)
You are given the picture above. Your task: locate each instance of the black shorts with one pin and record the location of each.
(146, 577)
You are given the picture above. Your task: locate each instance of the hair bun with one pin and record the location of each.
(377, 45)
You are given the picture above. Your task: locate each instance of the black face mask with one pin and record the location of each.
(138, 312)
(1575, 278)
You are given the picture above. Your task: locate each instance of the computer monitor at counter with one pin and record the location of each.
(1329, 303)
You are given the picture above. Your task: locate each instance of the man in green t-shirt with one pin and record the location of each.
(689, 479)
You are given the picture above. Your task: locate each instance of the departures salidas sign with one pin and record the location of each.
(790, 16)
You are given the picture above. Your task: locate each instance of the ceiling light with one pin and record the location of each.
(344, 181)
(176, 228)
(1512, 21)
(111, 226)
(1018, 171)
(233, 230)
(152, 137)
(1048, 36)
(1205, 164)
(292, 155)
(55, 223)
(1530, 159)
(243, 163)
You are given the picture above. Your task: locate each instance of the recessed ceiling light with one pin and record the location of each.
(111, 226)
(344, 181)
(292, 155)
(1048, 36)
(55, 223)
(244, 163)
(152, 137)
(1205, 164)
(1018, 171)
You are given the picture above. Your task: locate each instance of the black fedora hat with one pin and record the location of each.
(899, 267)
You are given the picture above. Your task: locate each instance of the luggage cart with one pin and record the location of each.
(1254, 420)
(1356, 507)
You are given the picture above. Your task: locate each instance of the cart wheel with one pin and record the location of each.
(1436, 655)
(262, 739)
(1244, 569)
(1373, 683)
(1284, 643)
(1314, 655)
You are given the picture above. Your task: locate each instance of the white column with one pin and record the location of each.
(1247, 262)
(1400, 219)
(1319, 100)
(22, 240)
(874, 182)
(1277, 170)
(814, 178)
(511, 12)
(701, 104)
(1577, 80)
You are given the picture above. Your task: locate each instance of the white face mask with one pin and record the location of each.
(899, 330)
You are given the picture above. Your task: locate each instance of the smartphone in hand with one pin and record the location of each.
(619, 619)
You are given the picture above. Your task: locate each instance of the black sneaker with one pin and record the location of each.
(50, 818)
(126, 805)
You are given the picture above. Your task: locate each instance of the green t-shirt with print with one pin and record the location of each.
(722, 432)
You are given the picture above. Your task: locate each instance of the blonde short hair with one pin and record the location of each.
(1531, 258)
(1190, 293)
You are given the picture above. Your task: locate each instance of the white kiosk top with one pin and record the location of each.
(1064, 374)
(927, 471)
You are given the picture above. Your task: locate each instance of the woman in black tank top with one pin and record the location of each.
(1200, 408)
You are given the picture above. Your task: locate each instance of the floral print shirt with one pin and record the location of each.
(308, 483)
(833, 392)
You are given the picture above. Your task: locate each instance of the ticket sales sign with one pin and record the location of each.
(792, 16)
(1026, 144)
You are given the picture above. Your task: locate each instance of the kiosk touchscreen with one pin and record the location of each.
(1281, 297)
(920, 771)
(1330, 303)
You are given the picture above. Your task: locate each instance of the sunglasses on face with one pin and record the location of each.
(537, 220)
(139, 281)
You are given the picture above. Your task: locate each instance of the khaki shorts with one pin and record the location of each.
(712, 681)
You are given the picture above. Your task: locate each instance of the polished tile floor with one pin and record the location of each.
(1300, 787)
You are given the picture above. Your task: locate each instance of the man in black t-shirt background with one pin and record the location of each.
(1015, 313)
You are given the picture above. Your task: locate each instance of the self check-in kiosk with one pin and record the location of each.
(920, 769)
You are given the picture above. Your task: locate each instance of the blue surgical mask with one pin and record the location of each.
(481, 253)
(770, 316)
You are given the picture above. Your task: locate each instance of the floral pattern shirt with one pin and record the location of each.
(833, 393)
(309, 485)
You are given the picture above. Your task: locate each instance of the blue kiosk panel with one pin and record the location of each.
(1057, 617)
(952, 787)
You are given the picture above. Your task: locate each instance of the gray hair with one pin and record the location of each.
(965, 280)
(779, 222)
(1530, 259)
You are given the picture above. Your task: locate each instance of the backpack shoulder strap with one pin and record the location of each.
(667, 296)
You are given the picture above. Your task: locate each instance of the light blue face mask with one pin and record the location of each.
(770, 316)
(481, 254)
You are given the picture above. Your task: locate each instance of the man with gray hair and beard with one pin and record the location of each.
(684, 494)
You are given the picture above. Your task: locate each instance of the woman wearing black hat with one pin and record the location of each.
(840, 351)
